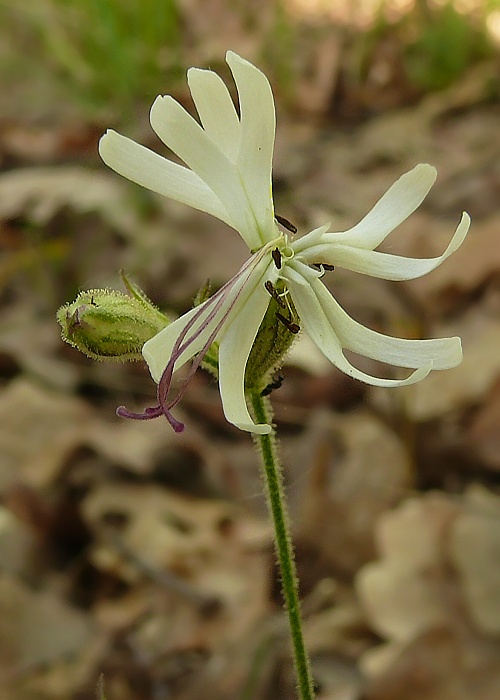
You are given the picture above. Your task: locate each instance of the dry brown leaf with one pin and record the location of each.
(20, 325)
(37, 627)
(39, 193)
(436, 583)
(214, 552)
(475, 550)
(166, 529)
(16, 543)
(483, 434)
(186, 536)
(359, 468)
(462, 386)
(134, 445)
(40, 429)
(435, 666)
(471, 266)
(402, 593)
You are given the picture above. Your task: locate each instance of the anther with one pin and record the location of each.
(277, 258)
(324, 266)
(274, 384)
(273, 292)
(290, 325)
(285, 223)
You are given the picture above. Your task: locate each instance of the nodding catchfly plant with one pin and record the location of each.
(243, 330)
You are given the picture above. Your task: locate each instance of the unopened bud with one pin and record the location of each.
(109, 325)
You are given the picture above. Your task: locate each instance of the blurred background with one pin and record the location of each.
(145, 558)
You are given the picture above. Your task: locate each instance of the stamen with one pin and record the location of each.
(275, 384)
(290, 325)
(274, 293)
(323, 266)
(286, 224)
(276, 255)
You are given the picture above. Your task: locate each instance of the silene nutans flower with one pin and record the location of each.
(278, 291)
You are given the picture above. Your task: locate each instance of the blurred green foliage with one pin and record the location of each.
(102, 50)
(446, 42)
(111, 54)
(437, 43)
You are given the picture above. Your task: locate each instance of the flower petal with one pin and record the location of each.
(442, 353)
(185, 137)
(384, 265)
(258, 125)
(313, 238)
(322, 331)
(158, 350)
(235, 346)
(400, 200)
(216, 110)
(150, 170)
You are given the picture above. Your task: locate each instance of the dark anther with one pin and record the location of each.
(272, 291)
(292, 327)
(277, 258)
(275, 384)
(285, 223)
(323, 266)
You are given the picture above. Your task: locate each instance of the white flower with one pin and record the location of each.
(229, 159)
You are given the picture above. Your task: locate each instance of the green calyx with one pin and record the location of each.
(275, 336)
(106, 324)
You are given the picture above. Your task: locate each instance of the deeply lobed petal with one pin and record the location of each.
(255, 155)
(383, 265)
(216, 110)
(187, 139)
(148, 169)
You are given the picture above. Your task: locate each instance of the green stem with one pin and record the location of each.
(284, 548)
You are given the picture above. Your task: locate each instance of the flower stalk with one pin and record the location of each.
(273, 478)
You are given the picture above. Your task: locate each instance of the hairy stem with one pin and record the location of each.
(284, 548)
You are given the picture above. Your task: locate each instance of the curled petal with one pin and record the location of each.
(216, 110)
(258, 125)
(321, 327)
(384, 265)
(150, 170)
(442, 353)
(400, 200)
(234, 350)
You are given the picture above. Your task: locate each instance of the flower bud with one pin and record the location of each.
(108, 325)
